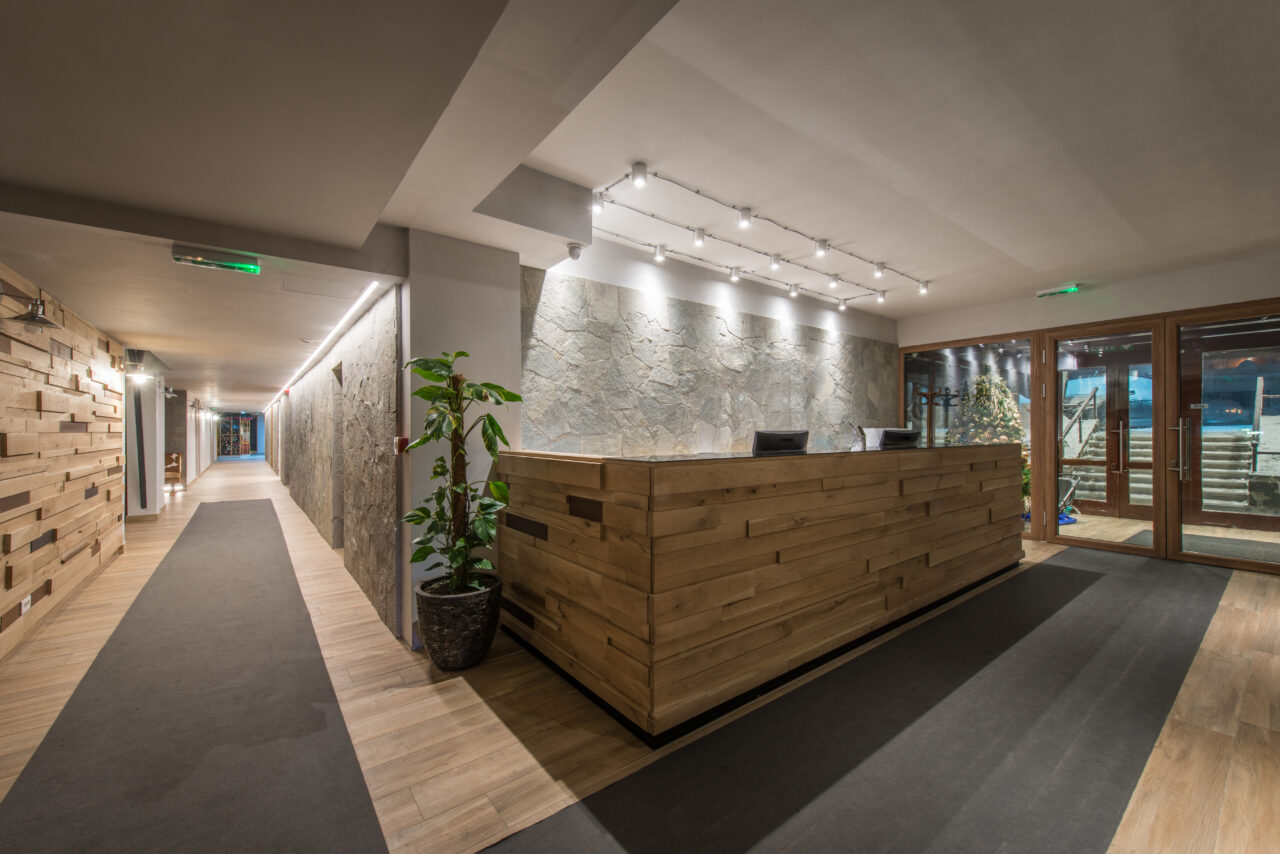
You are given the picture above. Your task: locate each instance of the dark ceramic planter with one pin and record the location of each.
(458, 628)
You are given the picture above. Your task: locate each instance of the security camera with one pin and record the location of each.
(575, 251)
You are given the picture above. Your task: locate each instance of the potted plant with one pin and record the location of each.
(458, 612)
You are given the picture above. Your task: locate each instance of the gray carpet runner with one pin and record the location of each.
(207, 722)
(1018, 721)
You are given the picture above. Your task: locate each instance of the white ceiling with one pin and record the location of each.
(993, 147)
(542, 58)
(230, 339)
(296, 119)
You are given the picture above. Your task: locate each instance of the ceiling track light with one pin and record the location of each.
(733, 274)
(924, 288)
(842, 304)
(699, 237)
(639, 175)
(879, 296)
(659, 253)
(793, 291)
(597, 202)
(833, 282)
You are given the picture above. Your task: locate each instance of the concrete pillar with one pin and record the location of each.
(144, 446)
(460, 296)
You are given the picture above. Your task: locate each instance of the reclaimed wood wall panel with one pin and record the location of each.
(668, 588)
(61, 456)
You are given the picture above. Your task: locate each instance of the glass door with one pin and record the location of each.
(1225, 453)
(1104, 420)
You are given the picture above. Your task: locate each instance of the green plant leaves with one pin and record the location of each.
(491, 433)
(501, 393)
(449, 396)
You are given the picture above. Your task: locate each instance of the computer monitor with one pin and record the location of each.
(775, 443)
(891, 440)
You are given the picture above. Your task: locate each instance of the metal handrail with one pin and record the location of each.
(1075, 419)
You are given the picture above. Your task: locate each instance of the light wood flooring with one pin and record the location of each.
(456, 762)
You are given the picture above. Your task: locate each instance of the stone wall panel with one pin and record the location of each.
(610, 370)
(338, 451)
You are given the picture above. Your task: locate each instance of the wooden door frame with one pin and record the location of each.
(1173, 509)
(1048, 443)
(1044, 497)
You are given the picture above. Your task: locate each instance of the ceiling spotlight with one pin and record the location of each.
(833, 282)
(924, 288)
(575, 251)
(35, 315)
(841, 305)
(775, 261)
(744, 217)
(793, 291)
(820, 248)
(879, 296)
(659, 253)
(733, 274)
(639, 173)
(597, 202)
(699, 237)
(878, 268)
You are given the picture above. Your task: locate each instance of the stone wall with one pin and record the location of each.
(610, 370)
(338, 426)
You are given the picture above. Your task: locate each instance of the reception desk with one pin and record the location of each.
(670, 585)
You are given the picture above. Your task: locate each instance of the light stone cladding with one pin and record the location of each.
(615, 371)
(338, 450)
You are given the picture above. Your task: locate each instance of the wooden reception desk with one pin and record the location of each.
(669, 585)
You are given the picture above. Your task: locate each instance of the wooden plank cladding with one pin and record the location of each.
(61, 456)
(670, 587)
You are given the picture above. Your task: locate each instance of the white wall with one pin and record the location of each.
(629, 267)
(1197, 287)
(200, 441)
(151, 425)
(460, 296)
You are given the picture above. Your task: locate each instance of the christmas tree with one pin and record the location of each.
(987, 415)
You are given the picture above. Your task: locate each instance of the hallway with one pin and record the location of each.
(454, 763)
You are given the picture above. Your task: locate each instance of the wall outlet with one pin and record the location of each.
(25, 605)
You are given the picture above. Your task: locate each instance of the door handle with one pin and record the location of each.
(1181, 465)
(1123, 437)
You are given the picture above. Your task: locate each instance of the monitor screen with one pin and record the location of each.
(772, 443)
(894, 439)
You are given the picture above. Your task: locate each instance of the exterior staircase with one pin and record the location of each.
(1224, 469)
